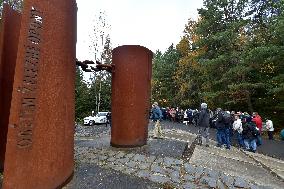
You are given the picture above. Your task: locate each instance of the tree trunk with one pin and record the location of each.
(250, 108)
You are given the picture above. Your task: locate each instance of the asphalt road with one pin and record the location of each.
(273, 148)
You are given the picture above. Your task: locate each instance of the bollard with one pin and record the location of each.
(40, 140)
(131, 90)
(9, 39)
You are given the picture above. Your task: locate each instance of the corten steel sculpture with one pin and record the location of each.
(131, 90)
(9, 37)
(40, 143)
(131, 70)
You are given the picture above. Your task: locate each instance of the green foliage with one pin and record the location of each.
(96, 95)
(15, 4)
(232, 57)
(82, 108)
(163, 86)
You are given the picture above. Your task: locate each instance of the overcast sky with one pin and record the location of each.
(154, 24)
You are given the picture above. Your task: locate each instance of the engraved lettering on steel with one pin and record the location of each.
(29, 85)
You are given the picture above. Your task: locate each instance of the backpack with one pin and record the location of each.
(189, 113)
(255, 131)
(227, 118)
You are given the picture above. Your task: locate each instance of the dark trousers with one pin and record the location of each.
(270, 135)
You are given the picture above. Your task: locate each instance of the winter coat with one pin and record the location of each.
(249, 131)
(258, 122)
(203, 119)
(220, 122)
(237, 125)
(269, 125)
(156, 113)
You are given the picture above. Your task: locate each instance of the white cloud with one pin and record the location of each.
(154, 24)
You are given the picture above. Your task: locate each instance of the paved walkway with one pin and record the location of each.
(272, 148)
(173, 162)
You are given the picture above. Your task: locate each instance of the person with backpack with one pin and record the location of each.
(157, 117)
(189, 116)
(228, 126)
(221, 128)
(250, 134)
(195, 117)
(203, 123)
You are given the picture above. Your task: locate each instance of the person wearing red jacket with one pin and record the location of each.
(258, 121)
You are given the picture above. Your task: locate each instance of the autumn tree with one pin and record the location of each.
(188, 68)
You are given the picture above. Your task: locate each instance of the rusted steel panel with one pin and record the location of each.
(40, 143)
(10, 28)
(131, 82)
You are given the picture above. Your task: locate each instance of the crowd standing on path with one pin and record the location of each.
(246, 128)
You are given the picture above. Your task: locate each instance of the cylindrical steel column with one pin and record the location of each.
(40, 141)
(10, 29)
(131, 90)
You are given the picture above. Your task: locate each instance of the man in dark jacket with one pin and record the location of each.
(157, 117)
(250, 134)
(203, 123)
(221, 127)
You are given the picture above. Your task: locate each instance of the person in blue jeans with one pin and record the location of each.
(238, 128)
(222, 131)
(249, 135)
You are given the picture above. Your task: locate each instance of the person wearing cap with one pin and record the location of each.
(156, 117)
(203, 123)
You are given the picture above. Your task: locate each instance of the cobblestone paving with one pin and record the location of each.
(176, 172)
(168, 170)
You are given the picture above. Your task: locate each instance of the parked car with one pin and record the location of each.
(99, 118)
(90, 120)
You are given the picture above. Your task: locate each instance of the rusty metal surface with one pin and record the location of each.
(40, 143)
(131, 80)
(10, 28)
(98, 66)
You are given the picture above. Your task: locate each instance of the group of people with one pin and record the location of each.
(247, 128)
(179, 115)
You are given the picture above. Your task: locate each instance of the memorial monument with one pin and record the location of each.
(131, 71)
(37, 83)
(9, 38)
(39, 141)
(131, 92)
